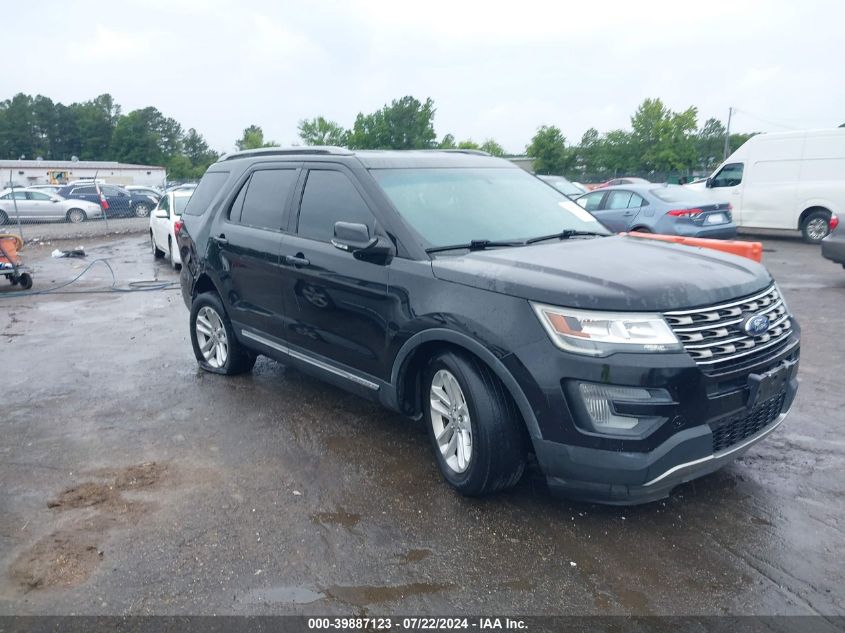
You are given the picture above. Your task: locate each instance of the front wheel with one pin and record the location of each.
(157, 252)
(142, 210)
(816, 227)
(75, 216)
(473, 425)
(213, 338)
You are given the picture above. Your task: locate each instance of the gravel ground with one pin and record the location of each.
(135, 484)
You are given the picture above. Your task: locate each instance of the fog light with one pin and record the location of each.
(631, 411)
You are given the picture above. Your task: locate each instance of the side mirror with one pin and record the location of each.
(355, 238)
(709, 182)
(161, 213)
(54, 200)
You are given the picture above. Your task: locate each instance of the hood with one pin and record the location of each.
(611, 273)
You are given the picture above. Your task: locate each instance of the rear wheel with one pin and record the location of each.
(25, 280)
(816, 226)
(76, 216)
(157, 252)
(473, 425)
(213, 338)
(142, 210)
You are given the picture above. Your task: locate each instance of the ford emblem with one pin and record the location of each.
(756, 324)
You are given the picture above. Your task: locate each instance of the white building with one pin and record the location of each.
(23, 173)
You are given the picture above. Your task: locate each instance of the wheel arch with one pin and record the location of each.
(204, 283)
(811, 209)
(415, 352)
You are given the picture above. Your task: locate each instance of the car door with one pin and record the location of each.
(726, 186)
(614, 212)
(41, 206)
(245, 247)
(337, 304)
(159, 222)
(84, 192)
(119, 200)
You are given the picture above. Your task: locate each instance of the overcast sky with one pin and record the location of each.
(493, 69)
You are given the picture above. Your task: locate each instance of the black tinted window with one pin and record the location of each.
(84, 191)
(266, 195)
(330, 197)
(206, 191)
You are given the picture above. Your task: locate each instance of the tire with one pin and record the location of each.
(496, 458)
(3, 218)
(816, 227)
(76, 216)
(208, 310)
(25, 281)
(157, 252)
(141, 210)
(173, 264)
(642, 229)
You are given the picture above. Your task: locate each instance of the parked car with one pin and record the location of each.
(666, 209)
(153, 193)
(165, 223)
(785, 180)
(459, 289)
(116, 201)
(567, 188)
(33, 204)
(627, 180)
(49, 189)
(833, 246)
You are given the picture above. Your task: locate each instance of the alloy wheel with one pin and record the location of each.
(817, 229)
(450, 420)
(211, 337)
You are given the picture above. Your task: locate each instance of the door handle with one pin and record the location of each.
(220, 239)
(297, 260)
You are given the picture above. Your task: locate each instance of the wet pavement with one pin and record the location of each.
(134, 483)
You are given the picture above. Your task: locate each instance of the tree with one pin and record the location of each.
(96, 121)
(404, 124)
(320, 131)
(710, 143)
(135, 139)
(468, 144)
(448, 142)
(548, 149)
(492, 147)
(664, 139)
(198, 153)
(253, 138)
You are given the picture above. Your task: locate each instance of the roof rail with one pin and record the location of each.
(474, 152)
(322, 150)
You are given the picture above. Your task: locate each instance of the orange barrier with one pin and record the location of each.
(751, 250)
(11, 245)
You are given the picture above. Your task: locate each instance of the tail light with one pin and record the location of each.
(683, 213)
(834, 221)
(177, 226)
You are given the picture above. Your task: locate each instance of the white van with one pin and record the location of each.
(785, 180)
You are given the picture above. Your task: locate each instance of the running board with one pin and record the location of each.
(311, 361)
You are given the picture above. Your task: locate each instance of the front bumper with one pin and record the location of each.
(714, 418)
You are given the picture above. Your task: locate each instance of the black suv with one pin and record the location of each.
(456, 287)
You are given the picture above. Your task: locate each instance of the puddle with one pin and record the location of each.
(415, 555)
(363, 595)
(284, 594)
(340, 517)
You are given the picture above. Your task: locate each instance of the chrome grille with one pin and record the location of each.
(714, 337)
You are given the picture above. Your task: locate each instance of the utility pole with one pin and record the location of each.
(728, 135)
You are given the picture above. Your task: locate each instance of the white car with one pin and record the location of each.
(165, 222)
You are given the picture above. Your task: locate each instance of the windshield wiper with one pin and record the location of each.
(475, 245)
(565, 235)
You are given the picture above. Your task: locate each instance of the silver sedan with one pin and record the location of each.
(36, 205)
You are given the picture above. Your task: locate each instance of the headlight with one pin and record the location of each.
(603, 333)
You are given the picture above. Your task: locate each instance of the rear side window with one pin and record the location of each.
(618, 200)
(84, 191)
(330, 197)
(206, 191)
(266, 195)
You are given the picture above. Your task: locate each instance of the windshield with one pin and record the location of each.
(457, 205)
(179, 204)
(676, 193)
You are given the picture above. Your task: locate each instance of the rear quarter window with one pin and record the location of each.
(206, 192)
